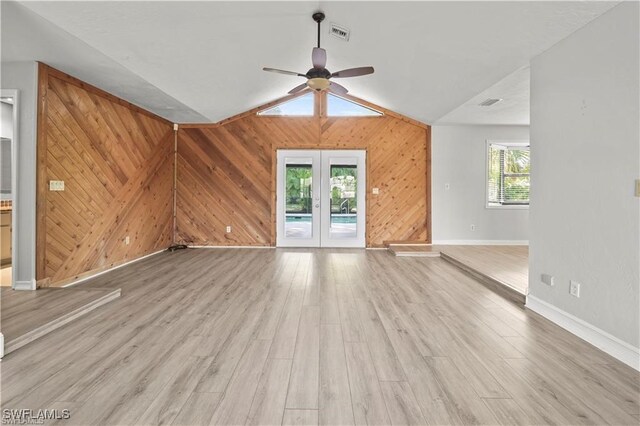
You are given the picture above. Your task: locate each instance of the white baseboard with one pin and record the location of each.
(615, 347)
(97, 274)
(25, 285)
(482, 242)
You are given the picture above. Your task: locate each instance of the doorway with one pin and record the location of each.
(321, 198)
(8, 130)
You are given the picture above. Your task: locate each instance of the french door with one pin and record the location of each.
(320, 198)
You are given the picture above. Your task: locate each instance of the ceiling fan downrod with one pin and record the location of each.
(318, 17)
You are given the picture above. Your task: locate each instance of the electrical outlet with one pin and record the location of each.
(547, 279)
(228, 229)
(473, 227)
(127, 240)
(56, 185)
(375, 191)
(574, 288)
(447, 186)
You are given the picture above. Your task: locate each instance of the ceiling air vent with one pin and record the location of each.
(489, 102)
(339, 32)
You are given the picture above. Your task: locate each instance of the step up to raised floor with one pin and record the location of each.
(29, 315)
(413, 250)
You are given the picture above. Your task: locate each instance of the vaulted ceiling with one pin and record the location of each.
(201, 61)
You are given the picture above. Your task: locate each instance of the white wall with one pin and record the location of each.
(585, 220)
(23, 77)
(458, 157)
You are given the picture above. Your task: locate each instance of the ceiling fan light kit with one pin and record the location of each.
(318, 83)
(318, 77)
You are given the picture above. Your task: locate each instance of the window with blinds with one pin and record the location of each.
(508, 171)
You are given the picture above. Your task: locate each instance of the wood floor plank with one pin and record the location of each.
(560, 392)
(169, 402)
(508, 412)
(198, 410)
(383, 355)
(284, 342)
(335, 395)
(234, 407)
(303, 385)
(268, 403)
(366, 395)
(467, 404)
(433, 401)
(300, 418)
(401, 404)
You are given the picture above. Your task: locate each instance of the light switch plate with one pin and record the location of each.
(547, 279)
(574, 288)
(56, 185)
(375, 191)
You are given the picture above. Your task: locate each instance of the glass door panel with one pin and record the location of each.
(343, 186)
(298, 198)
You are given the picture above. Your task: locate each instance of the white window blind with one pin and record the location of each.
(508, 176)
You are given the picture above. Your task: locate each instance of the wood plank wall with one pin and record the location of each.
(226, 174)
(117, 164)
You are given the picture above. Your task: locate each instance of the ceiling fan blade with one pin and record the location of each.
(283, 72)
(298, 88)
(319, 57)
(353, 72)
(337, 89)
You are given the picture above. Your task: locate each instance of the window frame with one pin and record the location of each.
(377, 114)
(506, 143)
(314, 111)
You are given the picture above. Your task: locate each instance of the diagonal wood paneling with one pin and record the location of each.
(117, 164)
(226, 174)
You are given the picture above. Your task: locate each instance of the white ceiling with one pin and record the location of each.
(201, 61)
(512, 110)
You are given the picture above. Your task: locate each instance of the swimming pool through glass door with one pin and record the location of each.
(320, 198)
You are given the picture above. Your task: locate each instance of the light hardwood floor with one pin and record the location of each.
(507, 265)
(28, 315)
(298, 337)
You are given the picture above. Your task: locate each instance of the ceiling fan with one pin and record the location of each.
(318, 76)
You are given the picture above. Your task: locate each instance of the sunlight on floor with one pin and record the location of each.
(5, 276)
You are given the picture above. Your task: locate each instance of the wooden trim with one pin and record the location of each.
(320, 111)
(429, 190)
(405, 243)
(176, 128)
(45, 282)
(41, 175)
(385, 111)
(97, 91)
(78, 278)
(254, 111)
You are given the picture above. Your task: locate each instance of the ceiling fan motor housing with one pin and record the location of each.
(318, 73)
(318, 17)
